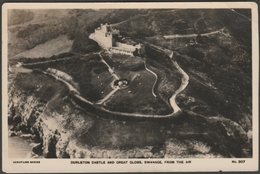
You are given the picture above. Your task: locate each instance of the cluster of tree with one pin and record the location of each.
(45, 33)
(83, 44)
(158, 56)
(123, 14)
(28, 30)
(238, 25)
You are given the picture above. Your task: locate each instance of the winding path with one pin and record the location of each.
(185, 77)
(184, 84)
(156, 78)
(175, 36)
(70, 87)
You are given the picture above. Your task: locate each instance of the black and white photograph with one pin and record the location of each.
(149, 85)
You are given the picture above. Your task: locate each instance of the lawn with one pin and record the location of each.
(89, 73)
(138, 97)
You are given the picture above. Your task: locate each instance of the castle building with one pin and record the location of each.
(111, 40)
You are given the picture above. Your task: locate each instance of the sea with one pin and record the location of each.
(19, 147)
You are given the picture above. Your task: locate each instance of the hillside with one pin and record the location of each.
(212, 46)
(35, 27)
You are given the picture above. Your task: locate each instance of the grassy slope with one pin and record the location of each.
(219, 66)
(55, 46)
(43, 25)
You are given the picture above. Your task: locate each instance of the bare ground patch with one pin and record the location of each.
(52, 47)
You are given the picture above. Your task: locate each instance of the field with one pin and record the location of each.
(55, 46)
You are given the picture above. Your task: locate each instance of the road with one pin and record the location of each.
(185, 77)
(70, 87)
(184, 84)
(240, 14)
(110, 69)
(115, 76)
(175, 36)
(108, 96)
(156, 78)
(47, 61)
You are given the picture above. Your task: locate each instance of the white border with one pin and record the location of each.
(63, 165)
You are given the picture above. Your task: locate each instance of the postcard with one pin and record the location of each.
(130, 87)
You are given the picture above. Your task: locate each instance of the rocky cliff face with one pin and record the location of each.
(41, 109)
(46, 113)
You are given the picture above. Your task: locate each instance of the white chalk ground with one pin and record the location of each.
(52, 47)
